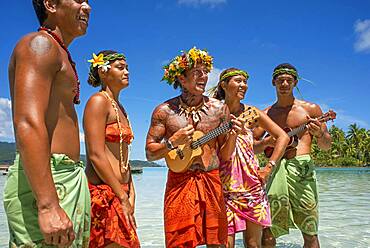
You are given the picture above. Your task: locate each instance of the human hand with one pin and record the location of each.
(56, 227)
(264, 173)
(238, 125)
(182, 136)
(128, 212)
(314, 127)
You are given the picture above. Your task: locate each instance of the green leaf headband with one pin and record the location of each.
(292, 72)
(234, 73)
(289, 71)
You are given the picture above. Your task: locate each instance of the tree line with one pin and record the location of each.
(350, 148)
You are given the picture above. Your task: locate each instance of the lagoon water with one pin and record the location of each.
(344, 210)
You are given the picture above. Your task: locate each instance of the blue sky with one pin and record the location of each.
(328, 41)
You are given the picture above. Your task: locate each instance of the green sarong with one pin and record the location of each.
(20, 204)
(293, 196)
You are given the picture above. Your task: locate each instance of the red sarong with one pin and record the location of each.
(194, 209)
(108, 225)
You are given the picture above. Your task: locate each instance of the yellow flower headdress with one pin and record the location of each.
(185, 61)
(102, 61)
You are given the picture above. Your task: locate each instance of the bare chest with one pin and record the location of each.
(291, 118)
(65, 83)
(208, 121)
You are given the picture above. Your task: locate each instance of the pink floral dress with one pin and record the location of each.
(244, 194)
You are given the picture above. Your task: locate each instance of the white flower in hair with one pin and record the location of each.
(105, 67)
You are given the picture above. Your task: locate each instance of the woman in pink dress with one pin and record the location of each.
(243, 181)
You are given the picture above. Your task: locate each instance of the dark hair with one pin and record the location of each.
(40, 10)
(287, 66)
(177, 84)
(220, 93)
(94, 79)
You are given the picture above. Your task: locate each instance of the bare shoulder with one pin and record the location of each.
(312, 109)
(97, 103)
(37, 45)
(163, 110)
(97, 98)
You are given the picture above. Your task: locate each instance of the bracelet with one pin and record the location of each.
(169, 144)
(272, 162)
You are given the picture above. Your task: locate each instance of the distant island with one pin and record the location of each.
(7, 155)
(351, 148)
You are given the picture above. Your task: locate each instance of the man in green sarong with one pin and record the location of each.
(292, 189)
(46, 196)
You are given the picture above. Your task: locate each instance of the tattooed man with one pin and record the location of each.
(194, 211)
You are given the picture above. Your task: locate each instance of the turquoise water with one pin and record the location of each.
(344, 209)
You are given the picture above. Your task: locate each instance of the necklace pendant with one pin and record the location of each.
(196, 117)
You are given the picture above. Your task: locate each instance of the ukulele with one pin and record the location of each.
(293, 133)
(181, 158)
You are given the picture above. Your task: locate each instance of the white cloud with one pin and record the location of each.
(362, 30)
(82, 137)
(6, 125)
(195, 3)
(213, 78)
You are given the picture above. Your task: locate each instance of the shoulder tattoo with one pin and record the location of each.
(40, 45)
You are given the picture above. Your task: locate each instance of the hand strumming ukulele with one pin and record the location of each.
(181, 158)
(292, 133)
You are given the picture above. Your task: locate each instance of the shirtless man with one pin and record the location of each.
(46, 195)
(194, 211)
(292, 189)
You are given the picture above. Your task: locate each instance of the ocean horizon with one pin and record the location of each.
(344, 195)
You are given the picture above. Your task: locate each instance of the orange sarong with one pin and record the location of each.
(194, 209)
(108, 225)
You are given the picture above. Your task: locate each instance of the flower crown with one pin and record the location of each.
(185, 61)
(289, 71)
(102, 61)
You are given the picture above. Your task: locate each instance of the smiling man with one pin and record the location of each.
(46, 195)
(292, 190)
(194, 211)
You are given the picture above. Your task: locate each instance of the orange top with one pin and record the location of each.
(112, 133)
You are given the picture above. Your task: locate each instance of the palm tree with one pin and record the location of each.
(338, 142)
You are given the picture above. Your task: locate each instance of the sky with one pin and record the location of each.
(328, 42)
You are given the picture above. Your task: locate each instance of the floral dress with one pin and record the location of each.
(244, 194)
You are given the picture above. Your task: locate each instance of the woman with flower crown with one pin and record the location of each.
(246, 201)
(108, 135)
